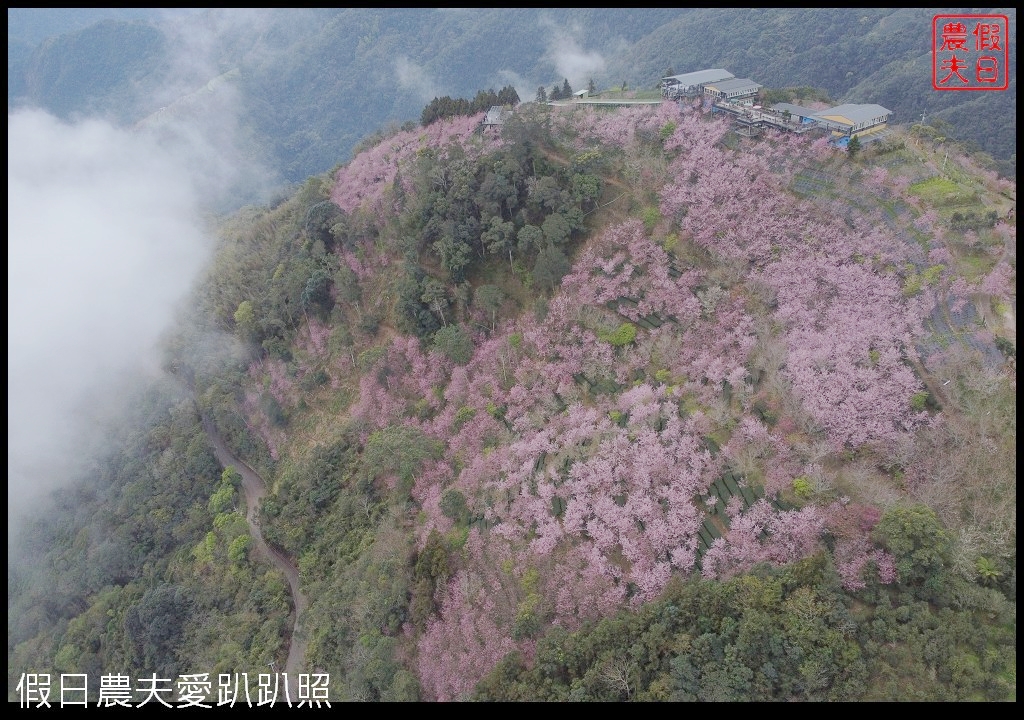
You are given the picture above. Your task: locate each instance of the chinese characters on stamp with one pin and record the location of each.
(970, 52)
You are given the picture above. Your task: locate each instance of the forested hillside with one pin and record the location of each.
(312, 84)
(605, 404)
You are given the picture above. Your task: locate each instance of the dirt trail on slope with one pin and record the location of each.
(255, 489)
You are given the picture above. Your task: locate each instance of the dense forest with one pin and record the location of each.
(603, 404)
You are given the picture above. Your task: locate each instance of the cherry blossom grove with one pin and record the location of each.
(586, 459)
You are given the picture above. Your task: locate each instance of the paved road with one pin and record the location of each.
(255, 489)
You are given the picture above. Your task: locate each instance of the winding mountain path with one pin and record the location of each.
(255, 489)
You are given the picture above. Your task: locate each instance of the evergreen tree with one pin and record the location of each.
(508, 96)
(854, 146)
(549, 268)
(542, 95)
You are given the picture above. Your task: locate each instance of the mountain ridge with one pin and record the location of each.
(307, 80)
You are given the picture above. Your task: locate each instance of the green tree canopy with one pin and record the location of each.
(918, 541)
(489, 299)
(551, 265)
(455, 343)
(398, 450)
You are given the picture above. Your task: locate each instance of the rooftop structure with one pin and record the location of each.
(690, 84)
(496, 116)
(852, 118)
(732, 88)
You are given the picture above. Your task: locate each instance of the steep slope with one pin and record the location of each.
(611, 404)
(682, 405)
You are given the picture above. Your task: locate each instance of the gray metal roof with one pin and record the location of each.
(735, 84)
(855, 112)
(496, 115)
(701, 76)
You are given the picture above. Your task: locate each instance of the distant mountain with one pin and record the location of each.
(33, 25)
(312, 83)
(94, 70)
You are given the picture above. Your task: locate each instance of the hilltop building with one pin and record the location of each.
(691, 84)
(729, 94)
(715, 82)
(852, 119)
(496, 117)
(732, 89)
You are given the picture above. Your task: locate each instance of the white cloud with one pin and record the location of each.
(104, 238)
(414, 78)
(570, 60)
(106, 234)
(575, 64)
(525, 89)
